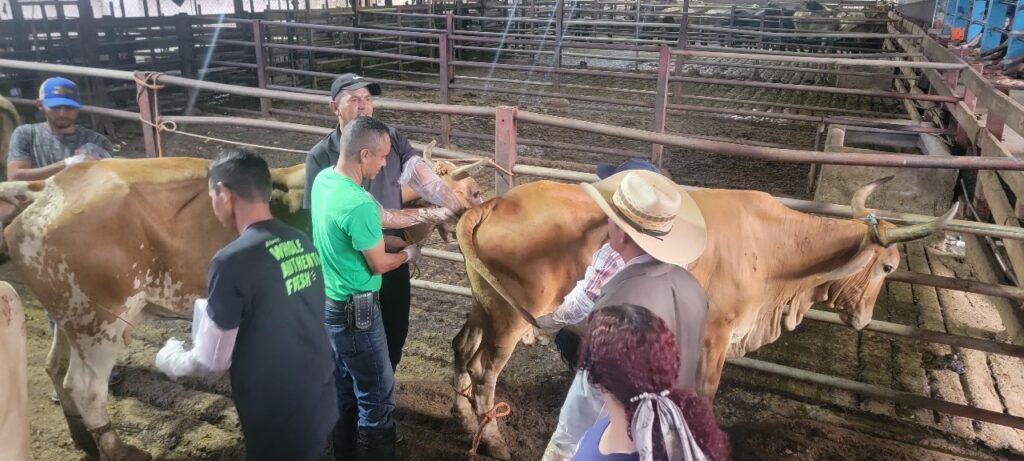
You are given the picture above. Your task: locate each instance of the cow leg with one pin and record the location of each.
(496, 348)
(465, 346)
(86, 382)
(714, 347)
(57, 367)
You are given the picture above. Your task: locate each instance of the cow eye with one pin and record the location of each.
(888, 268)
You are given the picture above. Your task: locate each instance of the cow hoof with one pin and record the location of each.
(113, 449)
(81, 437)
(495, 449)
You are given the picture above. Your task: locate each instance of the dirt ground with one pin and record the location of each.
(767, 418)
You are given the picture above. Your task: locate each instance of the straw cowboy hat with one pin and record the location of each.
(655, 212)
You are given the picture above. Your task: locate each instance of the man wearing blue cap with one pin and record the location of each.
(40, 150)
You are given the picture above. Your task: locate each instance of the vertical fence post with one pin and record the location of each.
(559, 31)
(971, 101)
(149, 113)
(504, 148)
(684, 23)
(183, 28)
(661, 101)
(732, 24)
(446, 119)
(760, 38)
(449, 25)
(995, 122)
(261, 64)
(357, 61)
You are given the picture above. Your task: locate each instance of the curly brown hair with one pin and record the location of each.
(627, 351)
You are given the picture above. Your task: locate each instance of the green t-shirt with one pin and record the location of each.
(346, 222)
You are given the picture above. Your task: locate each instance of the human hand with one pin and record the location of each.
(165, 358)
(412, 253)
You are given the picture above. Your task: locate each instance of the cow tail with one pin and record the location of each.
(465, 232)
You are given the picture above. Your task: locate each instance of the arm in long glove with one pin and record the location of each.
(420, 176)
(211, 351)
(408, 217)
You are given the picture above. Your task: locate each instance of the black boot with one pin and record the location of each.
(376, 444)
(344, 436)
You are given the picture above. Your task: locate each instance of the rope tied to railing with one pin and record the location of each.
(147, 80)
(172, 127)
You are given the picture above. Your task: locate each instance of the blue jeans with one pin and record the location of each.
(363, 374)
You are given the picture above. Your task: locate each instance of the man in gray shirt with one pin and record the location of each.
(40, 150)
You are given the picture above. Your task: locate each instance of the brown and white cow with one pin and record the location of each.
(13, 377)
(102, 243)
(763, 267)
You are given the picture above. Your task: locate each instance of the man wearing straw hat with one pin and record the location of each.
(656, 228)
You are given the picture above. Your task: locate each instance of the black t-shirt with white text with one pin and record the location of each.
(268, 284)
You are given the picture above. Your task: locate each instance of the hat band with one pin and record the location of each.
(637, 226)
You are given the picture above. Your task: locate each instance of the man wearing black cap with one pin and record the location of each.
(352, 97)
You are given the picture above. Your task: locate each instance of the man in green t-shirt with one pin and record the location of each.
(347, 234)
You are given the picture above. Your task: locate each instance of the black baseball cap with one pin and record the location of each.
(351, 81)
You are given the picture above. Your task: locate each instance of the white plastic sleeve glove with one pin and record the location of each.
(408, 217)
(211, 351)
(420, 176)
(582, 408)
(74, 159)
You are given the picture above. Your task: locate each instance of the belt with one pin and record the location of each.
(336, 303)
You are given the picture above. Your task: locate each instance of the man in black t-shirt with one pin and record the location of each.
(264, 319)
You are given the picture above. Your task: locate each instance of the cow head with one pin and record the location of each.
(852, 288)
(460, 180)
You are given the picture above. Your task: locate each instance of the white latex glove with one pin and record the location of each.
(173, 359)
(78, 158)
(412, 253)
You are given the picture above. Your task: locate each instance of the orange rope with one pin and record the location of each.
(492, 415)
(465, 392)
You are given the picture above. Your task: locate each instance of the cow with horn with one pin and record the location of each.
(764, 265)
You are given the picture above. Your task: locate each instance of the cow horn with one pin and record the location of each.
(861, 195)
(916, 231)
(428, 150)
(466, 171)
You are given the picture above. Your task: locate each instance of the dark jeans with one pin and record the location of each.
(395, 297)
(363, 375)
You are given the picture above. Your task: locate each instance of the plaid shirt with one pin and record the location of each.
(580, 301)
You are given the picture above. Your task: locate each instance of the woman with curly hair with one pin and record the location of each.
(630, 355)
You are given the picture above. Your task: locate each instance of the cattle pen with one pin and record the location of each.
(546, 89)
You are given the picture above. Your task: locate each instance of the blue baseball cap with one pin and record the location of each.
(59, 91)
(605, 170)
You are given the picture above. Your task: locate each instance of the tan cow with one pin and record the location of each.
(8, 120)
(13, 377)
(763, 267)
(101, 244)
